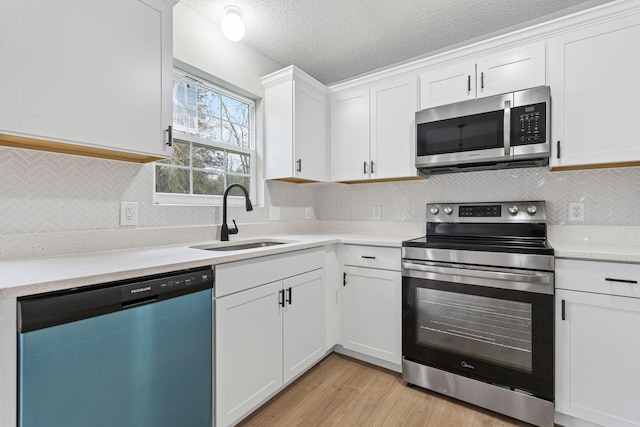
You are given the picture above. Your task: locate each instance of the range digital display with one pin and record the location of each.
(480, 211)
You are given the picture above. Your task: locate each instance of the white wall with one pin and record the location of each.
(200, 43)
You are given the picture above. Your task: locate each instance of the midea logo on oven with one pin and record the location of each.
(466, 365)
(145, 289)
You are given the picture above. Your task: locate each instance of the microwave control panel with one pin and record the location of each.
(528, 124)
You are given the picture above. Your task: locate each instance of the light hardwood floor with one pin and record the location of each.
(341, 391)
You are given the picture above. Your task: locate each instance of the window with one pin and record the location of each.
(213, 144)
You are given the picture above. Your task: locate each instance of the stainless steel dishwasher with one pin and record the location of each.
(129, 353)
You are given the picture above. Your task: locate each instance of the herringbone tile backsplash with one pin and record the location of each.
(44, 192)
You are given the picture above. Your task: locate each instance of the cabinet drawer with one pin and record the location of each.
(242, 275)
(371, 257)
(601, 277)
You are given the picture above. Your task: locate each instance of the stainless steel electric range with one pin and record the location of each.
(477, 307)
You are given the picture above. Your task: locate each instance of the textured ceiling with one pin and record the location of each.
(334, 40)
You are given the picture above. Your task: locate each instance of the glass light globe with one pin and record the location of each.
(232, 25)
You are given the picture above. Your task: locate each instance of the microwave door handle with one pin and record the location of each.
(507, 128)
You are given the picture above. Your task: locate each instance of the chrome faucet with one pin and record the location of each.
(225, 231)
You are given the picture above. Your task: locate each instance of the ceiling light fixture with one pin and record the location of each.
(232, 25)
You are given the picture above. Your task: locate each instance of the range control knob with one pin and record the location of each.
(434, 210)
(513, 210)
(448, 210)
(532, 209)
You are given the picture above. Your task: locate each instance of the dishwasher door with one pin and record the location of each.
(146, 362)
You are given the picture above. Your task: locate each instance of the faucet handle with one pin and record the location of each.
(234, 230)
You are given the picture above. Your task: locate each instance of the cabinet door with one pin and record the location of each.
(350, 135)
(594, 92)
(448, 84)
(89, 73)
(371, 313)
(303, 322)
(512, 70)
(278, 131)
(248, 349)
(596, 353)
(393, 108)
(310, 134)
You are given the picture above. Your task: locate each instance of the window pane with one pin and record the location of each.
(235, 111)
(238, 163)
(180, 154)
(233, 179)
(184, 105)
(208, 158)
(208, 183)
(209, 128)
(170, 179)
(208, 102)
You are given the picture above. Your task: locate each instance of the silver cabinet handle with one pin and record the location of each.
(368, 257)
(299, 165)
(372, 167)
(482, 80)
(469, 83)
(365, 168)
(507, 128)
(558, 154)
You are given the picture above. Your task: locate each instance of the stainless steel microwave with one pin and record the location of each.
(502, 131)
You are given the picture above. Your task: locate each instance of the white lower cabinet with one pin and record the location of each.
(371, 303)
(303, 325)
(597, 346)
(265, 337)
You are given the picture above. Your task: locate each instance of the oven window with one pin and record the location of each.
(490, 329)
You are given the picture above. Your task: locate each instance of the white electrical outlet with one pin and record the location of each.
(274, 213)
(376, 212)
(576, 212)
(129, 213)
(308, 212)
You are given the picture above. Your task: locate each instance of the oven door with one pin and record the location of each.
(494, 325)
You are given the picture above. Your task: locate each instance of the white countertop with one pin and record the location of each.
(596, 243)
(36, 275)
(19, 277)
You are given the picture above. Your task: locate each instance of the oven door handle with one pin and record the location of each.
(537, 279)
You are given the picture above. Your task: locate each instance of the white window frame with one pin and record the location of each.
(214, 200)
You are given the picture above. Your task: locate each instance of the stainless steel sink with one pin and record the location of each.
(240, 246)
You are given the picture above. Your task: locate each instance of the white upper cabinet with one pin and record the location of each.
(91, 77)
(373, 131)
(594, 89)
(350, 135)
(506, 71)
(295, 126)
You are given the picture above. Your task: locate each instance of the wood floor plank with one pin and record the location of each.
(341, 391)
